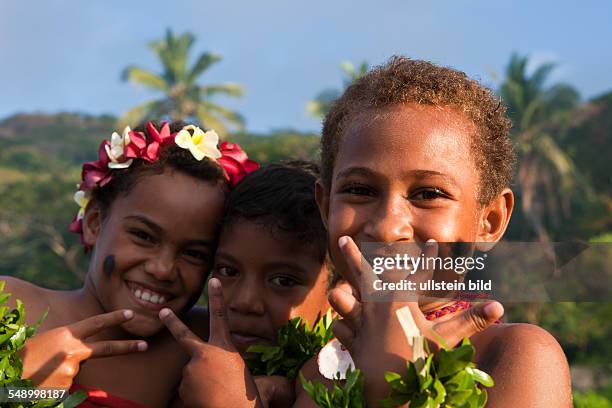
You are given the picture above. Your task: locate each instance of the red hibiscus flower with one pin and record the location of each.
(235, 162)
(96, 173)
(139, 147)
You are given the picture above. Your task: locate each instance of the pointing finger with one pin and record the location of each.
(347, 306)
(95, 324)
(344, 333)
(185, 337)
(359, 274)
(115, 347)
(219, 327)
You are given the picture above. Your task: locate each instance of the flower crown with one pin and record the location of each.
(120, 151)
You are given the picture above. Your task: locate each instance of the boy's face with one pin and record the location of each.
(267, 280)
(405, 174)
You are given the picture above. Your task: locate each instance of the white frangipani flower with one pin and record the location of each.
(82, 199)
(201, 144)
(116, 150)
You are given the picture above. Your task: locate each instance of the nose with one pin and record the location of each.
(245, 297)
(391, 221)
(162, 265)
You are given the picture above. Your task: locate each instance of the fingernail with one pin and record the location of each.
(128, 314)
(142, 346)
(492, 309)
(214, 283)
(342, 241)
(430, 242)
(164, 312)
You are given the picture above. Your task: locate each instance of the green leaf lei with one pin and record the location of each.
(346, 395)
(445, 379)
(13, 334)
(297, 343)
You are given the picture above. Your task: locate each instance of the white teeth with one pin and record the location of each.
(152, 297)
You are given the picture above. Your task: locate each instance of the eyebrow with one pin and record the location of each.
(284, 265)
(356, 171)
(421, 174)
(159, 230)
(272, 265)
(224, 255)
(418, 174)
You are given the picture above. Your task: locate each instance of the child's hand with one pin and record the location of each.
(53, 358)
(373, 334)
(216, 375)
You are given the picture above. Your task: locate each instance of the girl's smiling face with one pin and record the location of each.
(154, 247)
(405, 174)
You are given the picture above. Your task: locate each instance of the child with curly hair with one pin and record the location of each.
(413, 152)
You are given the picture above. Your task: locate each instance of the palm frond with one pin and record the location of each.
(152, 110)
(205, 61)
(228, 89)
(144, 77)
(535, 83)
(211, 122)
(227, 114)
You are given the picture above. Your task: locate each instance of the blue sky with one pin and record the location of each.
(68, 55)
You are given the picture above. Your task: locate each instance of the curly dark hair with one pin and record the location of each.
(170, 157)
(281, 197)
(402, 80)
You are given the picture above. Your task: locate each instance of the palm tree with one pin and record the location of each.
(324, 100)
(546, 174)
(184, 98)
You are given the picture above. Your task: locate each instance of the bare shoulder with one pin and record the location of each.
(526, 363)
(197, 320)
(35, 298)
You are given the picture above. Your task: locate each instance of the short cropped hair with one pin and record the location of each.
(402, 80)
(281, 197)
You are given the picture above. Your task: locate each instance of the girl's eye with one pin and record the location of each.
(226, 271)
(429, 194)
(144, 236)
(284, 281)
(358, 189)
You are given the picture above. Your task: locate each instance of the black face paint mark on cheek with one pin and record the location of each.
(109, 265)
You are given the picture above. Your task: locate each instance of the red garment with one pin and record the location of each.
(99, 398)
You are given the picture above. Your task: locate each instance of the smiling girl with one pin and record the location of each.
(150, 212)
(414, 153)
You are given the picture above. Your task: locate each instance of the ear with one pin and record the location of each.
(92, 223)
(494, 219)
(322, 199)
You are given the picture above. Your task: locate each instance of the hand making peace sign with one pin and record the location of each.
(216, 375)
(53, 358)
(372, 326)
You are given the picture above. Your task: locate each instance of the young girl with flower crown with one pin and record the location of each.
(150, 212)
